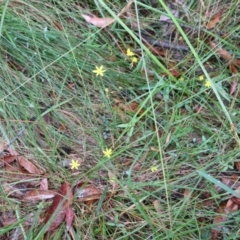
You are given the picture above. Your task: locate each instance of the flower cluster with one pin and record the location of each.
(207, 82)
(132, 56)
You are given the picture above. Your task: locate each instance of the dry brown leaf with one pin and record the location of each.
(231, 181)
(34, 195)
(172, 68)
(186, 193)
(12, 191)
(231, 206)
(98, 22)
(221, 52)
(104, 22)
(132, 107)
(8, 221)
(233, 69)
(9, 155)
(69, 217)
(11, 169)
(214, 20)
(155, 50)
(44, 184)
(224, 54)
(27, 165)
(233, 87)
(87, 193)
(216, 231)
(60, 207)
(237, 165)
(9, 159)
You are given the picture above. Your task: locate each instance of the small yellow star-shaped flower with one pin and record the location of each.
(99, 71)
(153, 168)
(107, 152)
(134, 60)
(201, 78)
(130, 53)
(207, 84)
(74, 164)
(181, 79)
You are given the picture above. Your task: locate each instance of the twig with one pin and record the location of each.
(13, 140)
(164, 44)
(19, 134)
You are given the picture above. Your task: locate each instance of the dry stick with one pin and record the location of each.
(164, 44)
(19, 134)
(11, 142)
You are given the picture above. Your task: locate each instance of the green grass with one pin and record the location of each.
(46, 46)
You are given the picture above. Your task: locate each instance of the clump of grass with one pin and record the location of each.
(48, 55)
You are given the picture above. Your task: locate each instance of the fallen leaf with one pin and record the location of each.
(233, 69)
(61, 202)
(35, 194)
(216, 231)
(27, 165)
(98, 22)
(155, 50)
(214, 20)
(186, 193)
(132, 107)
(221, 52)
(237, 165)
(12, 191)
(87, 193)
(44, 184)
(104, 22)
(231, 206)
(9, 159)
(8, 155)
(69, 217)
(11, 169)
(172, 68)
(8, 221)
(233, 87)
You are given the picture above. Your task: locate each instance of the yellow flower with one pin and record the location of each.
(200, 78)
(181, 78)
(134, 60)
(112, 180)
(107, 152)
(130, 53)
(99, 70)
(74, 164)
(154, 168)
(207, 84)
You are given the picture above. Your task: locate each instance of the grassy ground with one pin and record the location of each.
(167, 154)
